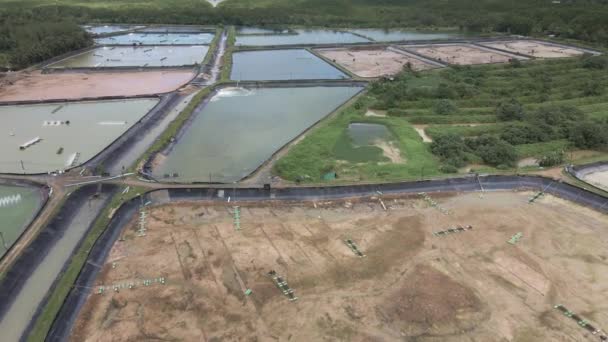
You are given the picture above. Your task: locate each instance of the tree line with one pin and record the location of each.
(27, 41)
(27, 28)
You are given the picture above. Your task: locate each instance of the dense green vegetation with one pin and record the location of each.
(530, 104)
(317, 154)
(581, 19)
(492, 115)
(26, 41)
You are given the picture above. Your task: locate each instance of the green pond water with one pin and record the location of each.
(301, 37)
(356, 144)
(18, 205)
(297, 64)
(157, 39)
(141, 56)
(241, 128)
(92, 127)
(399, 35)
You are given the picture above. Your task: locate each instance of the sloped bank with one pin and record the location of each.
(64, 321)
(581, 172)
(25, 288)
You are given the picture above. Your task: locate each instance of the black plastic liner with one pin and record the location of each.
(38, 249)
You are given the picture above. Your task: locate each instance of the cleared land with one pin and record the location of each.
(461, 54)
(535, 48)
(411, 286)
(374, 62)
(599, 179)
(38, 86)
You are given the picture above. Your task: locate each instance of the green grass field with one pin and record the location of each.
(475, 91)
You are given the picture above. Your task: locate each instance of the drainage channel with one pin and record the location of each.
(24, 290)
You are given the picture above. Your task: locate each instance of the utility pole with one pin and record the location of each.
(22, 167)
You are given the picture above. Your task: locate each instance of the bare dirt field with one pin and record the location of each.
(599, 179)
(411, 286)
(38, 86)
(460, 54)
(374, 62)
(534, 48)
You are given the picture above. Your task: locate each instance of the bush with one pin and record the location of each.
(589, 61)
(523, 133)
(591, 88)
(451, 149)
(589, 134)
(551, 159)
(448, 168)
(396, 112)
(510, 110)
(555, 120)
(444, 107)
(493, 151)
(515, 63)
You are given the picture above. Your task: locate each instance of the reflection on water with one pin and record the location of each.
(237, 131)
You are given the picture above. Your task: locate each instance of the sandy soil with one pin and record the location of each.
(527, 162)
(390, 151)
(37, 86)
(375, 113)
(411, 286)
(420, 129)
(373, 62)
(599, 179)
(461, 54)
(534, 48)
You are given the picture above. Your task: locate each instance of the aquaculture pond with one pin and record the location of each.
(48, 137)
(177, 29)
(258, 30)
(364, 142)
(241, 128)
(281, 65)
(102, 29)
(400, 35)
(18, 205)
(157, 39)
(301, 37)
(141, 56)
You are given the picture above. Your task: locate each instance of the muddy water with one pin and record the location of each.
(301, 37)
(18, 205)
(142, 56)
(69, 134)
(296, 64)
(366, 134)
(363, 142)
(240, 128)
(19, 315)
(157, 39)
(398, 35)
